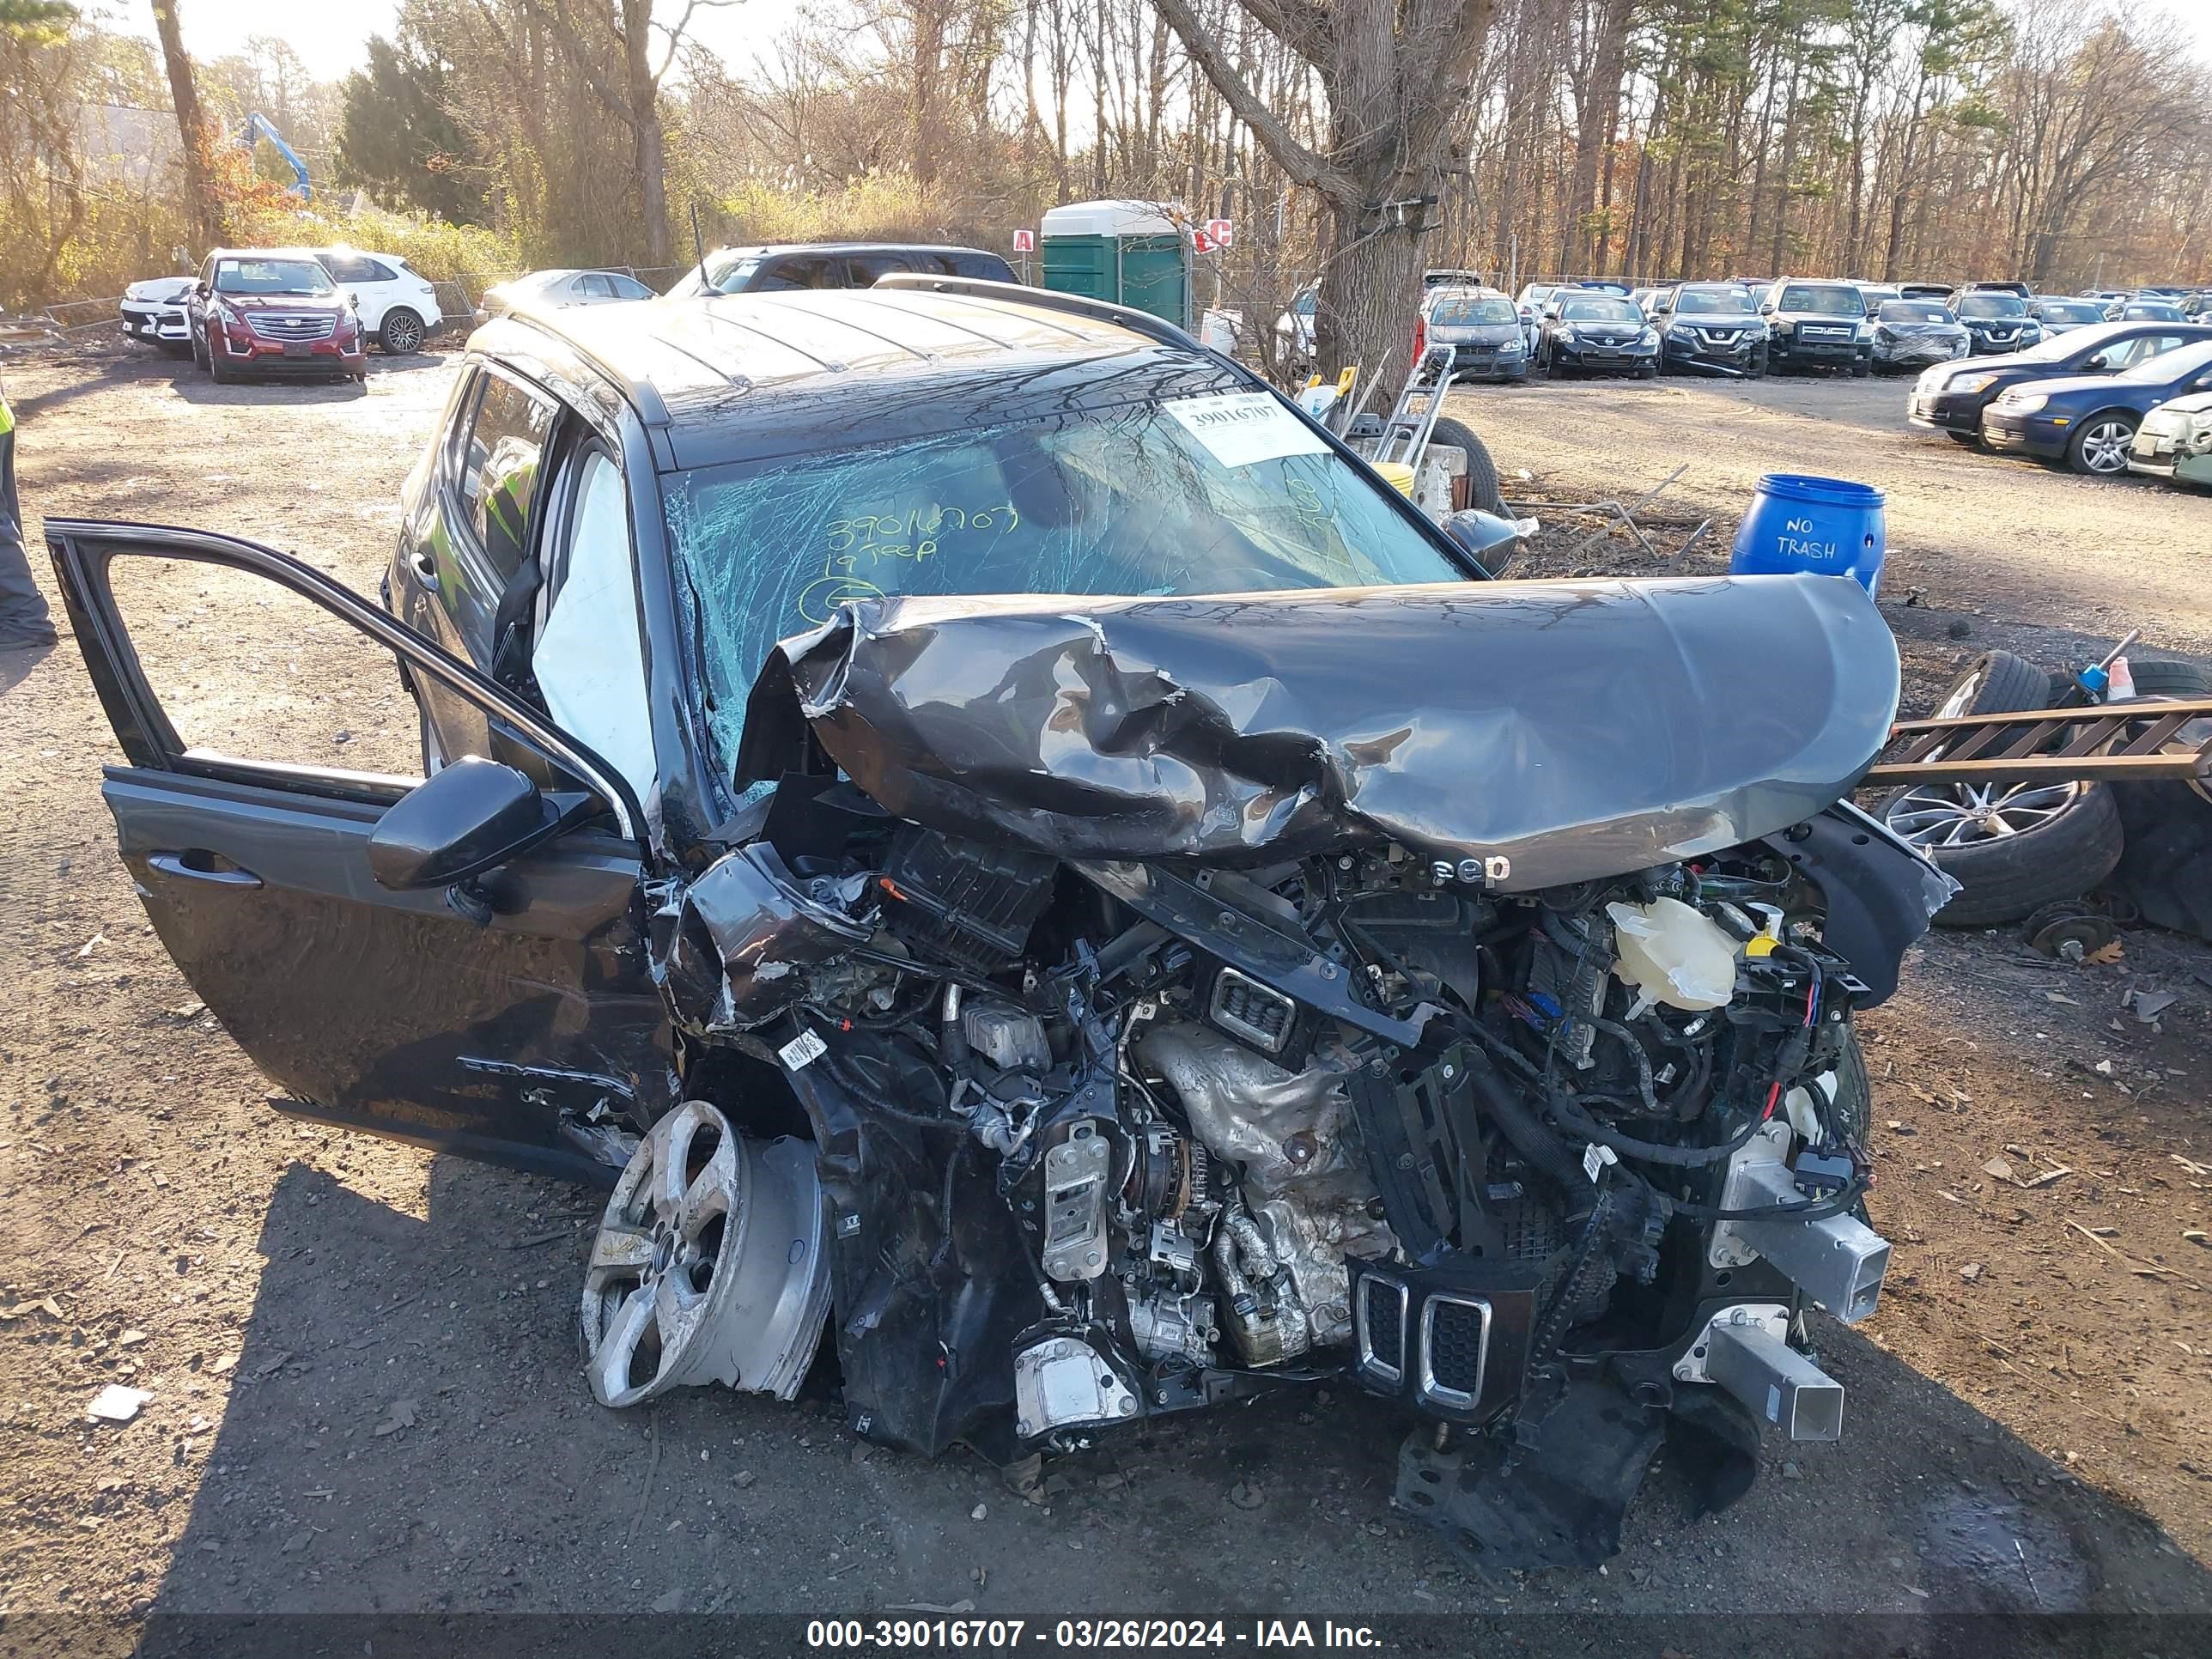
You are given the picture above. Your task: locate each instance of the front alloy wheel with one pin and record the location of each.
(2101, 448)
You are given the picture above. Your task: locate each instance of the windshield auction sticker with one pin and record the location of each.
(1241, 427)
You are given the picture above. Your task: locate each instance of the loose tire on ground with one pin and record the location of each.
(1481, 471)
(2070, 837)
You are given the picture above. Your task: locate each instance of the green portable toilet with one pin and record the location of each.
(1128, 252)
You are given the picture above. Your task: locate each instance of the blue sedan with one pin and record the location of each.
(2089, 421)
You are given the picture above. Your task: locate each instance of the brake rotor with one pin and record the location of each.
(711, 1264)
(2070, 931)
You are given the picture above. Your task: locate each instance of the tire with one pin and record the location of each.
(1648, 371)
(2154, 676)
(199, 350)
(1970, 439)
(1859, 371)
(1995, 683)
(2005, 878)
(2099, 447)
(217, 369)
(1481, 471)
(401, 335)
(2057, 840)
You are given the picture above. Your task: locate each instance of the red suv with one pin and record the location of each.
(272, 311)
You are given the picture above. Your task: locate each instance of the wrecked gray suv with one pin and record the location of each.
(1042, 884)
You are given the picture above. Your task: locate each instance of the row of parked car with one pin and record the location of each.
(1747, 328)
(2105, 399)
(293, 310)
(254, 311)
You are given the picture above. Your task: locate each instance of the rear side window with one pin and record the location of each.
(986, 267)
(814, 272)
(595, 286)
(862, 268)
(499, 469)
(353, 268)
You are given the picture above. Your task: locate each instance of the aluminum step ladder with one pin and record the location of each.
(1405, 437)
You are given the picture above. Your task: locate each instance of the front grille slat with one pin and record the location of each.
(1455, 1346)
(291, 327)
(1382, 1328)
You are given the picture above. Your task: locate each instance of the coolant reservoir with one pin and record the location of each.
(1673, 954)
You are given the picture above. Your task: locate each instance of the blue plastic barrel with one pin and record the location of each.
(1824, 526)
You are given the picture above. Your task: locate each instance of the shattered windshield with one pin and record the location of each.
(1224, 494)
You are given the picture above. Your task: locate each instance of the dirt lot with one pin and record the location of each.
(362, 1357)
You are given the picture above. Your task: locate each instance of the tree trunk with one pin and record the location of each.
(1368, 291)
(929, 28)
(1595, 114)
(651, 149)
(192, 125)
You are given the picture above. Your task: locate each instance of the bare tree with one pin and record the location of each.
(192, 125)
(1394, 74)
(634, 99)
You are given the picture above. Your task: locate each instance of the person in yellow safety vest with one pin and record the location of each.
(507, 511)
(24, 619)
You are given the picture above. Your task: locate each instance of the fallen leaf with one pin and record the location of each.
(1971, 1272)
(964, 1605)
(2060, 996)
(400, 1415)
(86, 948)
(221, 1367)
(2104, 954)
(1999, 1168)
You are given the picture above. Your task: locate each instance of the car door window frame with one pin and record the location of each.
(149, 741)
(490, 581)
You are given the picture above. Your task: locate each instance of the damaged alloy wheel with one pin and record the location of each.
(711, 1264)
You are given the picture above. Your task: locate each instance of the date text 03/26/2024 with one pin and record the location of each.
(1011, 1635)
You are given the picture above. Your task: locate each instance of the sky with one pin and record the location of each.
(331, 37)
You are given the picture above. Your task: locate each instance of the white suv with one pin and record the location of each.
(399, 310)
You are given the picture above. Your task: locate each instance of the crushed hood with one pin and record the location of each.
(1570, 729)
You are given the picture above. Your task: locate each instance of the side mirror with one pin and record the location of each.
(2095, 365)
(458, 822)
(1767, 308)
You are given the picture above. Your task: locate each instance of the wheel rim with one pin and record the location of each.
(406, 334)
(1937, 817)
(2105, 446)
(709, 1266)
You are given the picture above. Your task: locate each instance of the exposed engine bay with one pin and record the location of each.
(1099, 1139)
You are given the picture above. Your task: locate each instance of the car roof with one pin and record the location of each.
(763, 249)
(747, 376)
(312, 254)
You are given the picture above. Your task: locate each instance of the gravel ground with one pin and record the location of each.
(361, 1357)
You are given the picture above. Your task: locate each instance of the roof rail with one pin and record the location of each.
(1129, 317)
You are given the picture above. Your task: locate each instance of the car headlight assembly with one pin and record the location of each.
(1649, 337)
(2022, 402)
(1511, 349)
(1973, 383)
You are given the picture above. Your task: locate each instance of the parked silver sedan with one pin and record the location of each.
(555, 289)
